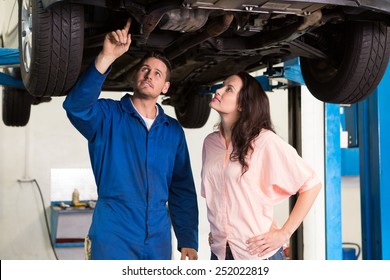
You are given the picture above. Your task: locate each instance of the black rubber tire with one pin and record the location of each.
(196, 111)
(56, 48)
(16, 106)
(364, 61)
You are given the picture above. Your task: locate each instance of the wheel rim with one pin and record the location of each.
(324, 71)
(26, 33)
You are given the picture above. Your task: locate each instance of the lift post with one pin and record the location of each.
(374, 149)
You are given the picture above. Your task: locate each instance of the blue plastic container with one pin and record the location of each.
(351, 251)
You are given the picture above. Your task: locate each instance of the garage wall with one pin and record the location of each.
(49, 141)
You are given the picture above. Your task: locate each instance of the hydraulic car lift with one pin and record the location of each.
(372, 128)
(368, 123)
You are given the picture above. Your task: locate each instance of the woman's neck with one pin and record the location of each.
(226, 130)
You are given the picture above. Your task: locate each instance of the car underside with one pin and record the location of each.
(343, 46)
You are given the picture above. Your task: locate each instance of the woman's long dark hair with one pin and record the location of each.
(254, 116)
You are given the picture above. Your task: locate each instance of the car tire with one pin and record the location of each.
(195, 112)
(50, 46)
(363, 63)
(16, 106)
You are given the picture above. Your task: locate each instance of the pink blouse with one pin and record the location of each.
(239, 208)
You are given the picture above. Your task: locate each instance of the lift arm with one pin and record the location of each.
(9, 58)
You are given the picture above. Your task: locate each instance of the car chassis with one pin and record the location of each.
(343, 46)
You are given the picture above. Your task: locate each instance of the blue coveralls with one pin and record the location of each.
(144, 178)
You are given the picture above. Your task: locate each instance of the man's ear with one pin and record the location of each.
(166, 87)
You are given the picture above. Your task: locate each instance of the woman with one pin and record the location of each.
(247, 170)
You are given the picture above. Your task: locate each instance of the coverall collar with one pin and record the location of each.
(127, 106)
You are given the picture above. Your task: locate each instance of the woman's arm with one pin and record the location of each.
(302, 206)
(275, 238)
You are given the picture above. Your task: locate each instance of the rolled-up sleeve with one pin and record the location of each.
(284, 172)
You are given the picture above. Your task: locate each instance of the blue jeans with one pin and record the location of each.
(279, 255)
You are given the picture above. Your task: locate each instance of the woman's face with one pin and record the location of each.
(225, 100)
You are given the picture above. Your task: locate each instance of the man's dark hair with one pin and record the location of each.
(159, 55)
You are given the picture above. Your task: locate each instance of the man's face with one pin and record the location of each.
(150, 79)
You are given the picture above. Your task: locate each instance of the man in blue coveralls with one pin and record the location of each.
(140, 161)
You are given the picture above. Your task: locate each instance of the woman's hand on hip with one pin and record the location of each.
(264, 243)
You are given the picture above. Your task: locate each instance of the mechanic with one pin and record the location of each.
(140, 161)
